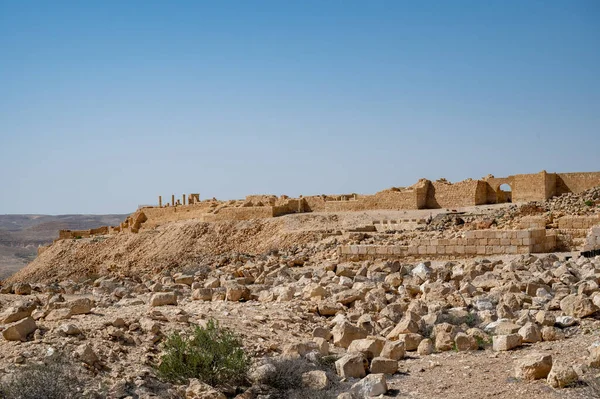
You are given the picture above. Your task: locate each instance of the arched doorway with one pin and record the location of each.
(504, 193)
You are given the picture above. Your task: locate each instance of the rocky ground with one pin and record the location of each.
(505, 327)
(433, 330)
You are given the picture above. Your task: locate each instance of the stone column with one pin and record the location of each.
(183, 199)
(159, 201)
(173, 199)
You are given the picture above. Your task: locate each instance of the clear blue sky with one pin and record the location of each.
(105, 105)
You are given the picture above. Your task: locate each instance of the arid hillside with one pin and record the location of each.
(323, 304)
(20, 235)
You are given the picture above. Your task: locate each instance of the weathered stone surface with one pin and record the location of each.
(370, 386)
(425, 347)
(19, 330)
(369, 347)
(184, 279)
(383, 365)
(69, 329)
(316, 379)
(533, 367)
(22, 289)
(163, 299)
(58, 314)
(86, 354)
(545, 318)
(593, 359)
(506, 342)
(411, 341)
(561, 375)
(393, 350)
(464, 342)
(344, 333)
(79, 306)
(352, 365)
(530, 333)
(18, 312)
(552, 333)
(202, 294)
(409, 324)
(577, 306)
(200, 390)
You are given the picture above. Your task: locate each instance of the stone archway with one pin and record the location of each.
(504, 193)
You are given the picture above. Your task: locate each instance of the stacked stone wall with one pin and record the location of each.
(576, 182)
(474, 243)
(578, 222)
(533, 222)
(465, 193)
(531, 187)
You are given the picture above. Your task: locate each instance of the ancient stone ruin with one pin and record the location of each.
(534, 235)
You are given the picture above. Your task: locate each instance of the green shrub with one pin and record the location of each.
(213, 355)
(589, 203)
(471, 320)
(483, 343)
(56, 378)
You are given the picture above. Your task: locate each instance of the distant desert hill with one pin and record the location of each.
(20, 235)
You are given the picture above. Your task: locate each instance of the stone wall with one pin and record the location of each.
(531, 187)
(576, 182)
(422, 195)
(578, 222)
(242, 213)
(474, 243)
(464, 193)
(68, 234)
(533, 222)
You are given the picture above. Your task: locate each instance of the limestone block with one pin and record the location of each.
(382, 365)
(163, 298)
(352, 365)
(506, 342)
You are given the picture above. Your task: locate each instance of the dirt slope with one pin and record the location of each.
(172, 246)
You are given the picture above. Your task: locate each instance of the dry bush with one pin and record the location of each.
(56, 378)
